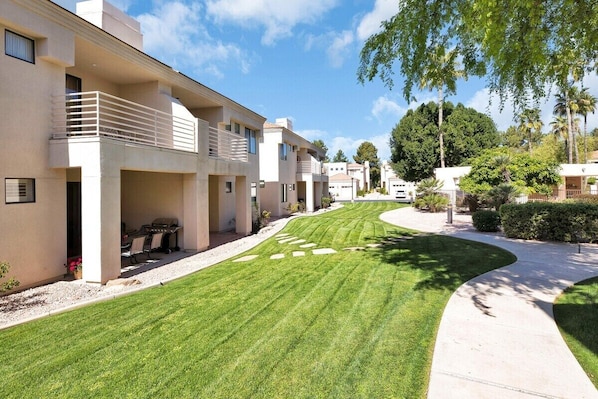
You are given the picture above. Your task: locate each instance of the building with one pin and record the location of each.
(396, 187)
(99, 137)
(291, 170)
(355, 177)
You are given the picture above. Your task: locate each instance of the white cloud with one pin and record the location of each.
(277, 17)
(370, 23)
(340, 48)
(174, 33)
(383, 106)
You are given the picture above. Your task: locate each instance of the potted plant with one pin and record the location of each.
(75, 267)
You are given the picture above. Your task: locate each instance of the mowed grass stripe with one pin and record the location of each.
(350, 324)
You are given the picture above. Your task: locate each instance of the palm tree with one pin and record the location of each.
(566, 105)
(530, 123)
(502, 162)
(559, 129)
(442, 71)
(587, 104)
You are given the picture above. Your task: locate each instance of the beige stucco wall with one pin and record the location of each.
(33, 234)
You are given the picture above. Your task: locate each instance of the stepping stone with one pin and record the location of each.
(324, 251)
(277, 256)
(297, 242)
(282, 235)
(354, 249)
(311, 244)
(298, 253)
(246, 258)
(287, 239)
(373, 245)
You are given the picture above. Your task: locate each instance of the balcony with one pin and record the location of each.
(227, 145)
(100, 114)
(311, 167)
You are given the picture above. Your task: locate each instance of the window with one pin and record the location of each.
(251, 140)
(237, 128)
(283, 193)
(282, 150)
(18, 46)
(228, 187)
(19, 190)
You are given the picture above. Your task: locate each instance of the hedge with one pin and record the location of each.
(568, 222)
(486, 220)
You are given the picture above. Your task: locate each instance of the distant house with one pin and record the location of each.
(343, 187)
(359, 173)
(395, 186)
(97, 135)
(574, 181)
(291, 170)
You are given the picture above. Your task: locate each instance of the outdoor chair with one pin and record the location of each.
(135, 249)
(155, 243)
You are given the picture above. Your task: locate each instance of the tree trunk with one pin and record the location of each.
(440, 134)
(569, 131)
(585, 146)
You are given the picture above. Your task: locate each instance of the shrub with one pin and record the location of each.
(326, 202)
(361, 193)
(433, 202)
(486, 220)
(585, 198)
(10, 283)
(567, 221)
(296, 207)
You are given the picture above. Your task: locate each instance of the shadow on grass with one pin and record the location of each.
(446, 262)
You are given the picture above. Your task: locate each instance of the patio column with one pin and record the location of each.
(100, 219)
(309, 194)
(196, 222)
(243, 205)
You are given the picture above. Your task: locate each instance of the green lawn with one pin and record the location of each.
(576, 313)
(350, 324)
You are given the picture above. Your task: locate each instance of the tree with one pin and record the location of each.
(521, 46)
(497, 166)
(340, 157)
(319, 143)
(368, 152)
(414, 149)
(530, 124)
(566, 105)
(587, 104)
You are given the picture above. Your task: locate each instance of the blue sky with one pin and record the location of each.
(296, 59)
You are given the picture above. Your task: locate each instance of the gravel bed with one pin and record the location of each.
(64, 295)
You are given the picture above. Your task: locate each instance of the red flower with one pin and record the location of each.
(75, 264)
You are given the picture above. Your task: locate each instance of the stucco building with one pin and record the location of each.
(98, 135)
(291, 170)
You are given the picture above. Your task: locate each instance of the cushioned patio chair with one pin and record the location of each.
(135, 249)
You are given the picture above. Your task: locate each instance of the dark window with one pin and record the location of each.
(19, 190)
(19, 46)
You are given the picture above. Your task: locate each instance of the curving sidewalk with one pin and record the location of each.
(497, 337)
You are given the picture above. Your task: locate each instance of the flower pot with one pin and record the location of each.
(78, 274)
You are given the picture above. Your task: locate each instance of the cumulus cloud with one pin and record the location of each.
(383, 106)
(278, 18)
(173, 32)
(370, 23)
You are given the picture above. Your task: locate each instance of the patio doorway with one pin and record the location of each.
(73, 218)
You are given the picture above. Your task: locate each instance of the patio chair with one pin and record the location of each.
(155, 243)
(135, 249)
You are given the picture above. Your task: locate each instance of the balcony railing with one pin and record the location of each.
(312, 166)
(227, 145)
(100, 114)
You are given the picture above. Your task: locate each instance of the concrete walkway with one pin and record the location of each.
(497, 337)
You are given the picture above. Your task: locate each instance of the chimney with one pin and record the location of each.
(285, 122)
(109, 18)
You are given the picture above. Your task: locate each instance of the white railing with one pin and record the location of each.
(227, 145)
(312, 166)
(100, 114)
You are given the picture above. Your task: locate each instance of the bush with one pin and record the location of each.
(486, 220)
(585, 198)
(567, 221)
(296, 207)
(10, 283)
(326, 202)
(433, 202)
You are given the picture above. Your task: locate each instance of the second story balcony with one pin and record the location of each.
(95, 113)
(311, 167)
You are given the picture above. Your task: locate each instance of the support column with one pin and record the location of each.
(309, 194)
(196, 221)
(100, 219)
(243, 205)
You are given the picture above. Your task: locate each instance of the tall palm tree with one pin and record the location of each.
(530, 123)
(587, 104)
(442, 71)
(566, 105)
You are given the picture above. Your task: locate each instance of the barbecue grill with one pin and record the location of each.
(170, 227)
